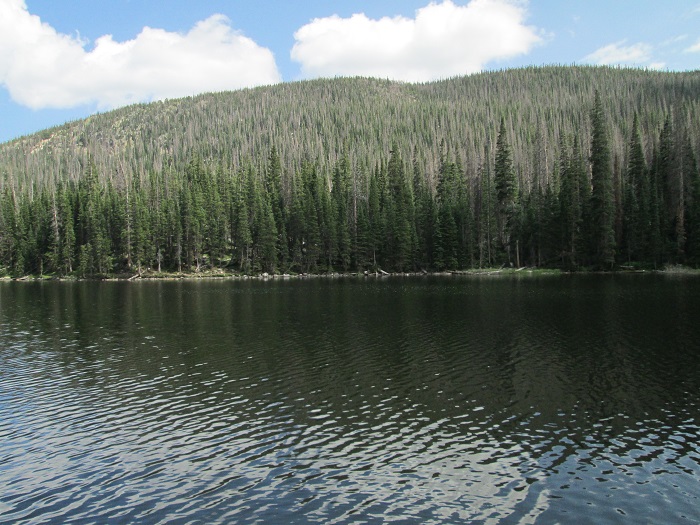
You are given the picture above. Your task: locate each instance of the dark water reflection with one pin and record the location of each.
(437, 400)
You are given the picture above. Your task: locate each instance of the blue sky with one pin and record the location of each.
(63, 60)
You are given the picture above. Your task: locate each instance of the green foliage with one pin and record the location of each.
(506, 191)
(318, 181)
(602, 202)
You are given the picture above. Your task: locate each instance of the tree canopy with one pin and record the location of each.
(573, 167)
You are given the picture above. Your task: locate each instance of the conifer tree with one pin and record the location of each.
(572, 197)
(375, 220)
(693, 212)
(675, 167)
(506, 191)
(399, 206)
(65, 211)
(273, 183)
(215, 218)
(242, 236)
(602, 198)
(265, 233)
(636, 200)
(311, 232)
(692, 203)
(486, 216)
(341, 197)
(448, 238)
(425, 219)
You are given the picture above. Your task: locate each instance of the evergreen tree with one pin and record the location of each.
(215, 219)
(506, 191)
(242, 234)
(375, 220)
(571, 200)
(602, 198)
(275, 191)
(672, 185)
(636, 202)
(399, 206)
(341, 198)
(448, 235)
(311, 231)
(265, 234)
(363, 248)
(425, 220)
(692, 203)
(486, 216)
(67, 231)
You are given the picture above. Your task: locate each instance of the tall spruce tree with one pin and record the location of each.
(602, 197)
(506, 191)
(399, 205)
(341, 199)
(693, 212)
(486, 204)
(636, 199)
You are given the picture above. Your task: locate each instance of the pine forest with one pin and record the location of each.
(569, 167)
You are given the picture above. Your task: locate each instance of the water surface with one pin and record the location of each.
(553, 399)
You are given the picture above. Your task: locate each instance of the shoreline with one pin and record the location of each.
(224, 275)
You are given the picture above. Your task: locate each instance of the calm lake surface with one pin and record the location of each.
(551, 399)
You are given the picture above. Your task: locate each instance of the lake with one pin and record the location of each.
(533, 399)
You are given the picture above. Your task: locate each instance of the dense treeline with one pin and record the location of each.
(594, 208)
(360, 119)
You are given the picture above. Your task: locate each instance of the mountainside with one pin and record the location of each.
(323, 120)
(558, 166)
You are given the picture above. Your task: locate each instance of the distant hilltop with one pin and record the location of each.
(359, 118)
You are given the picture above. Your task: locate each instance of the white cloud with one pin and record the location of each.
(42, 68)
(636, 54)
(442, 40)
(695, 48)
(674, 40)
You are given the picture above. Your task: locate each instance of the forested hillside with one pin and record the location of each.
(572, 167)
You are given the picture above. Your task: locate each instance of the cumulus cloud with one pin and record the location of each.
(42, 68)
(639, 54)
(443, 39)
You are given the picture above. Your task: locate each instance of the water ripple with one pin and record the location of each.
(469, 402)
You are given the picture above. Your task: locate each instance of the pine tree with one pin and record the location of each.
(636, 201)
(311, 236)
(215, 218)
(54, 238)
(265, 233)
(448, 237)
(692, 203)
(602, 198)
(66, 219)
(362, 246)
(399, 206)
(425, 219)
(485, 212)
(341, 197)
(242, 233)
(7, 230)
(273, 183)
(375, 220)
(93, 222)
(506, 191)
(571, 201)
(657, 216)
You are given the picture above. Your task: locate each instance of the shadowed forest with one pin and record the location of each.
(561, 167)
